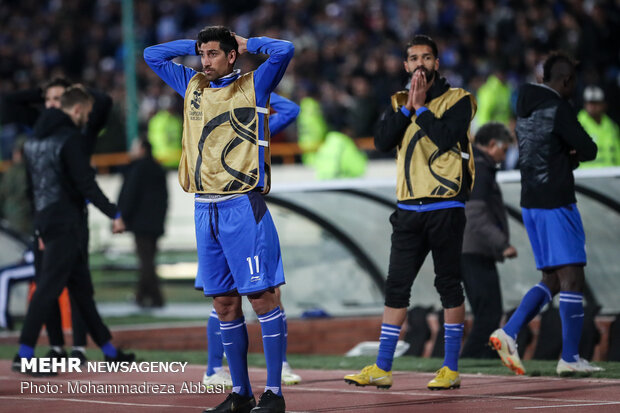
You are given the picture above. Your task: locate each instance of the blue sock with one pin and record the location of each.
(272, 328)
(285, 341)
(235, 342)
(25, 351)
(387, 346)
(215, 349)
(531, 304)
(453, 337)
(109, 350)
(571, 313)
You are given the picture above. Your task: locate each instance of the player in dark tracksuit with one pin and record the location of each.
(24, 108)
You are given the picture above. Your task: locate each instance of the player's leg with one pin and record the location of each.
(569, 257)
(408, 251)
(482, 288)
(288, 375)
(216, 374)
(79, 329)
(215, 279)
(82, 293)
(55, 335)
(445, 229)
(250, 242)
(503, 340)
(234, 335)
(266, 307)
(58, 258)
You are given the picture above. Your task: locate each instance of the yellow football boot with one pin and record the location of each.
(445, 379)
(371, 376)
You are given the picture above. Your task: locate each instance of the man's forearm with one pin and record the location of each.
(270, 72)
(159, 58)
(390, 129)
(446, 131)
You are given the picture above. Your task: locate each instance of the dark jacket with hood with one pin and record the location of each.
(444, 132)
(60, 177)
(486, 231)
(548, 130)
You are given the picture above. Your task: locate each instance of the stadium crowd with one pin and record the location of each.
(348, 53)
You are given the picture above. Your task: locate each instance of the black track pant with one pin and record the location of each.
(64, 263)
(485, 298)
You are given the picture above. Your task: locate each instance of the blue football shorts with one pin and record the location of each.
(556, 235)
(238, 246)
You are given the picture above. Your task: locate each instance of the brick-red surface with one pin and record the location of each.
(314, 336)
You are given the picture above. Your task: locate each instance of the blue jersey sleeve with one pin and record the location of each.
(269, 74)
(159, 58)
(286, 112)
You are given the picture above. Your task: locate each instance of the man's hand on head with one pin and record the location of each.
(242, 42)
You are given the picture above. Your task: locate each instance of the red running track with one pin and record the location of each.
(320, 391)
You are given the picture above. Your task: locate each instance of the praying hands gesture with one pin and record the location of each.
(417, 91)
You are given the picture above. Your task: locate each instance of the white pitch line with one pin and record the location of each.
(56, 399)
(176, 406)
(440, 395)
(567, 405)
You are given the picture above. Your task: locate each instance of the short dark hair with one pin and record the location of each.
(492, 130)
(422, 39)
(58, 81)
(553, 65)
(74, 95)
(218, 34)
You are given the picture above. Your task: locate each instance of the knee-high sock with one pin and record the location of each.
(531, 304)
(571, 313)
(215, 349)
(453, 336)
(26, 351)
(273, 334)
(285, 340)
(387, 346)
(109, 350)
(235, 342)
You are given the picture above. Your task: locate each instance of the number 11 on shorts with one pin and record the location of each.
(249, 260)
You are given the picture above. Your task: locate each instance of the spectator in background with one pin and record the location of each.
(143, 201)
(338, 156)
(363, 112)
(486, 240)
(600, 127)
(15, 206)
(551, 144)
(164, 131)
(493, 98)
(311, 125)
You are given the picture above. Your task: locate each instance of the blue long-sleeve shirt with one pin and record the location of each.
(266, 76)
(286, 112)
